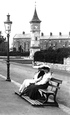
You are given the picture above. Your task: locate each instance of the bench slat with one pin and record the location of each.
(57, 87)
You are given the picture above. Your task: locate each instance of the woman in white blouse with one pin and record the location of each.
(37, 77)
(40, 81)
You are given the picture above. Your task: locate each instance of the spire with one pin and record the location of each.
(35, 4)
(35, 18)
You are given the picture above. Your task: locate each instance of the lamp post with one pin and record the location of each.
(8, 30)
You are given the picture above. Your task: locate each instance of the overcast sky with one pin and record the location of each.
(54, 14)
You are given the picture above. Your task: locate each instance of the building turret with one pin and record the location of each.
(35, 34)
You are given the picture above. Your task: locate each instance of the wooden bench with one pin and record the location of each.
(51, 91)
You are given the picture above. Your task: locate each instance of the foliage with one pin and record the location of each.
(15, 53)
(52, 56)
(2, 39)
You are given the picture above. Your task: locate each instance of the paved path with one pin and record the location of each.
(10, 104)
(14, 105)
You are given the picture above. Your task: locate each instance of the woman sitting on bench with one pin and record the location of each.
(37, 77)
(40, 81)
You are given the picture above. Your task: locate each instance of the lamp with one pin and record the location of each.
(8, 30)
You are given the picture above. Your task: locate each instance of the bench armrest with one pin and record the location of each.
(46, 91)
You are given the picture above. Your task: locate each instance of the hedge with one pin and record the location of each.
(15, 53)
(52, 56)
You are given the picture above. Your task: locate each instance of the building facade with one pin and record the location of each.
(54, 41)
(35, 40)
(22, 41)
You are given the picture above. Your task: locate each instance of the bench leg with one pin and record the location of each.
(46, 100)
(55, 101)
(52, 103)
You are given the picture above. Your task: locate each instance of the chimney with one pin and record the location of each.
(50, 33)
(60, 34)
(42, 34)
(0, 32)
(23, 32)
(69, 33)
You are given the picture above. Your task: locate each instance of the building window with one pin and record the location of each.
(24, 46)
(35, 38)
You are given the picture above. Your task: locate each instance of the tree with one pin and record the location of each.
(2, 38)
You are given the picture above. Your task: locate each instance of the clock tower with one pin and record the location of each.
(35, 34)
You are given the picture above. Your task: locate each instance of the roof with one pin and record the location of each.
(55, 37)
(35, 18)
(22, 36)
(44, 37)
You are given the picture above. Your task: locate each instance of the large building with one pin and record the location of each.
(35, 40)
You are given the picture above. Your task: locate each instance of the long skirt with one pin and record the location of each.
(33, 90)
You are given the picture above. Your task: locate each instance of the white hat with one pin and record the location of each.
(41, 65)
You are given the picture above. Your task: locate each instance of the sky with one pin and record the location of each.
(54, 14)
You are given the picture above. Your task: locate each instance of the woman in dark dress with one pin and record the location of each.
(37, 77)
(33, 89)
